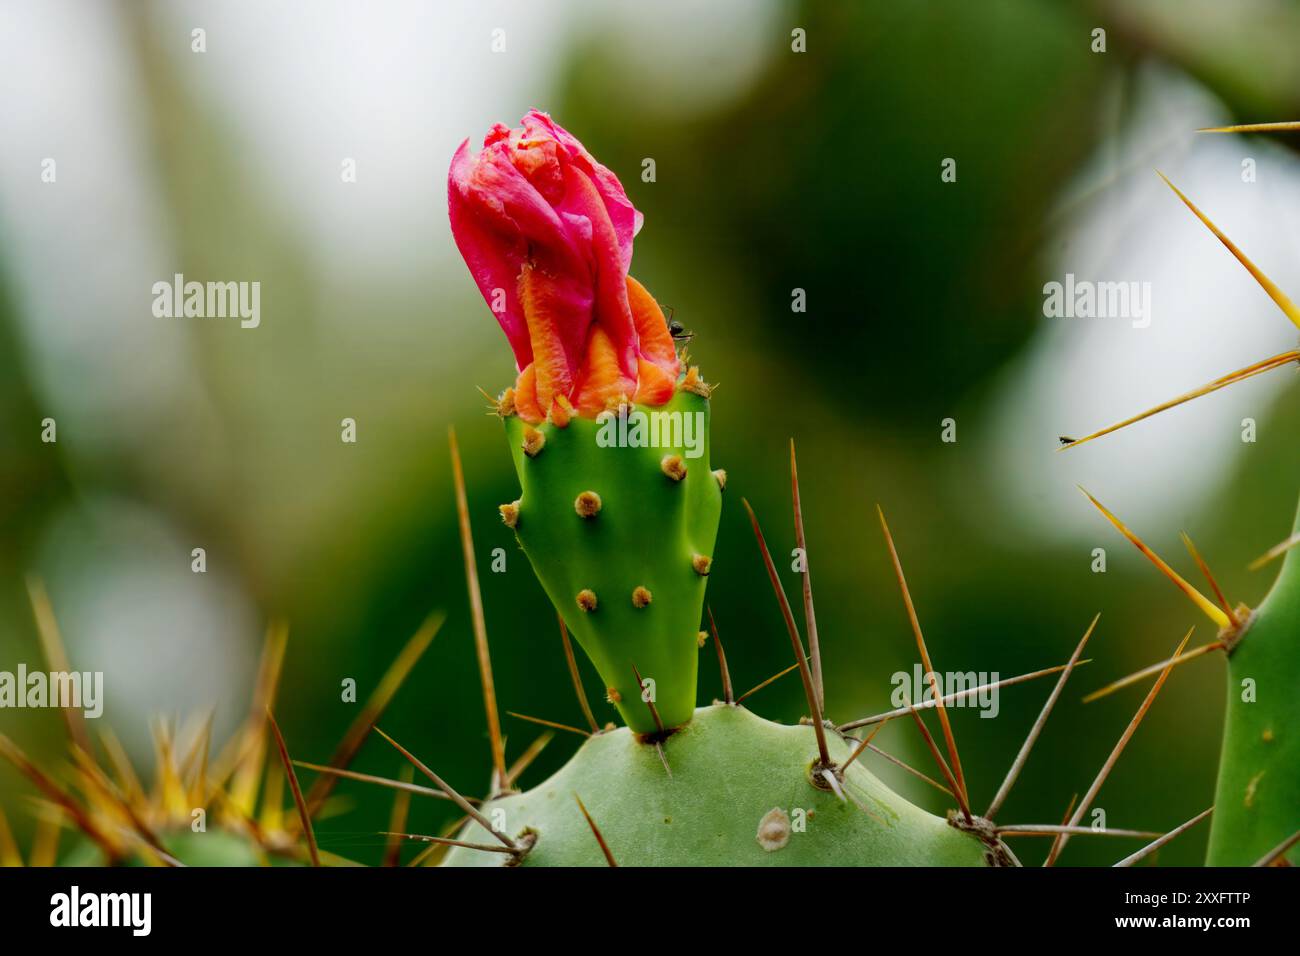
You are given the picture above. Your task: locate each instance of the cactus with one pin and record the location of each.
(207, 806)
(620, 532)
(621, 539)
(1257, 798)
(1258, 789)
(1257, 795)
(618, 514)
(121, 822)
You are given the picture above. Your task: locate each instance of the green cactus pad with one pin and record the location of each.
(1257, 800)
(730, 769)
(215, 847)
(645, 535)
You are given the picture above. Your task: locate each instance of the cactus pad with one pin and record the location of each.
(621, 538)
(731, 771)
(1257, 800)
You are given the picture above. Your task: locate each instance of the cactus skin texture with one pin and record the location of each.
(646, 534)
(731, 769)
(1257, 799)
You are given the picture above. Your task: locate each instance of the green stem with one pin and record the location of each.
(1257, 800)
(651, 525)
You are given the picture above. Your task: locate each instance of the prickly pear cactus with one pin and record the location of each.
(741, 793)
(1257, 800)
(620, 533)
(608, 427)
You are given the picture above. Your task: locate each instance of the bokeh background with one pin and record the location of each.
(775, 170)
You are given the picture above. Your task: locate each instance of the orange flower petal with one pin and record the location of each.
(526, 404)
(540, 301)
(602, 381)
(655, 386)
(656, 343)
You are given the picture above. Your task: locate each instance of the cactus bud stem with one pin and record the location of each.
(636, 527)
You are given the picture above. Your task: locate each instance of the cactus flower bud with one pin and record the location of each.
(547, 234)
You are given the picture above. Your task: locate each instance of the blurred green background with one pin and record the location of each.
(775, 170)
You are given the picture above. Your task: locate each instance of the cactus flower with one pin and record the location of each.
(547, 232)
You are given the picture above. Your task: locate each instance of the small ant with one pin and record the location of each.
(1066, 439)
(678, 331)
